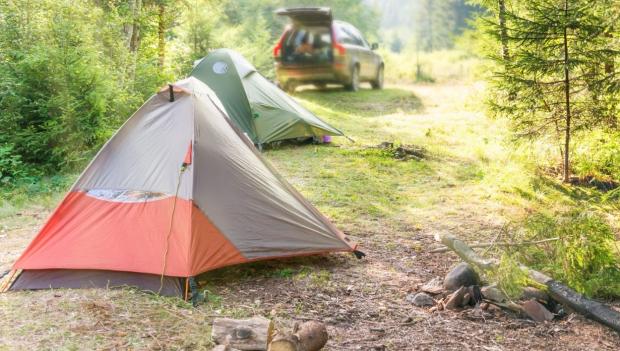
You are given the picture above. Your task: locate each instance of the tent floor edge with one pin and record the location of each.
(45, 279)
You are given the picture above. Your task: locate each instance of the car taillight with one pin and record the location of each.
(277, 50)
(339, 50)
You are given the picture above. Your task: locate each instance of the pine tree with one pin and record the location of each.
(557, 81)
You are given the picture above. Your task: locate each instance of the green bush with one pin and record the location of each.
(11, 166)
(598, 155)
(584, 256)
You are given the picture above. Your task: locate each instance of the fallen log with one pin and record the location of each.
(561, 293)
(309, 336)
(501, 244)
(243, 334)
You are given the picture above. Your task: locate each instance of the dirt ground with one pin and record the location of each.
(363, 302)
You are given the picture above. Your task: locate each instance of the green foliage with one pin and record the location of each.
(584, 256)
(439, 23)
(11, 166)
(510, 277)
(555, 68)
(74, 71)
(285, 273)
(598, 155)
(62, 94)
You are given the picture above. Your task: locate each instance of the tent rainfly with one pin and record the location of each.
(177, 191)
(263, 111)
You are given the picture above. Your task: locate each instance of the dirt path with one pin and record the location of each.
(362, 301)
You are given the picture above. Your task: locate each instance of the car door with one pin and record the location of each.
(366, 56)
(346, 40)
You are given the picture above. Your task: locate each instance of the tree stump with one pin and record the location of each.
(309, 336)
(243, 334)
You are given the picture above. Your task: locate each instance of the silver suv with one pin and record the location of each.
(315, 49)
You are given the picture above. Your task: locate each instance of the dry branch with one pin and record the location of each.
(559, 292)
(503, 244)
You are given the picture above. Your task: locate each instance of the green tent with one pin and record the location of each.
(256, 105)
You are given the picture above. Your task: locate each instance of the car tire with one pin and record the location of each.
(354, 84)
(377, 84)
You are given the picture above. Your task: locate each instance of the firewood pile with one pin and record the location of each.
(258, 334)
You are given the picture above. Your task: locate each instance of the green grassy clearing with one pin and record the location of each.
(471, 183)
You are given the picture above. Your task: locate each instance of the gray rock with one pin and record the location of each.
(492, 293)
(537, 311)
(457, 299)
(421, 299)
(433, 286)
(461, 275)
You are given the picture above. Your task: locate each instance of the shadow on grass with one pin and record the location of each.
(284, 268)
(365, 102)
(554, 190)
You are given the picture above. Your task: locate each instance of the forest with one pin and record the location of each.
(495, 141)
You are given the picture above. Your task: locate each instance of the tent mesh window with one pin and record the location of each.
(125, 195)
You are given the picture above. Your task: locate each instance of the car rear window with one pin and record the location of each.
(307, 44)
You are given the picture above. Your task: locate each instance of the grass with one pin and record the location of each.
(471, 182)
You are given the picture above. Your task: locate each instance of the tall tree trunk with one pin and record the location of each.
(134, 41)
(429, 5)
(566, 97)
(503, 33)
(609, 66)
(161, 31)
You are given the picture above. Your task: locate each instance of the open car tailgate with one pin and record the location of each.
(307, 15)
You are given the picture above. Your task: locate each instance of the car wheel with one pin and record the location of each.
(354, 85)
(378, 82)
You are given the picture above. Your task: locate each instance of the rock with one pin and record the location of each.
(475, 294)
(537, 311)
(492, 293)
(461, 275)
(466, 299)
(433, 286)
(530, 293)
(421, 299)
(456, 299)
(494, 308)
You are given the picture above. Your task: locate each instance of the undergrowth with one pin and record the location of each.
(585, 256)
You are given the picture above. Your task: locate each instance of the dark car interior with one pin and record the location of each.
(303, 44)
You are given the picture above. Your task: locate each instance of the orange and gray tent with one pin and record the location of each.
(263, 111)
(177, 191)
